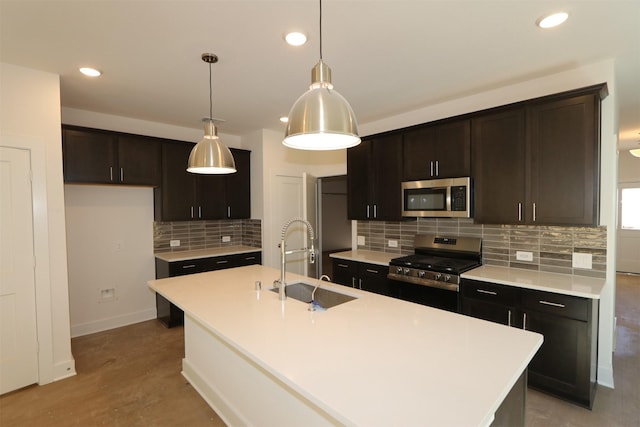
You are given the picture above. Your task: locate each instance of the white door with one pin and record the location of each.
(310, 213)
(18, 338)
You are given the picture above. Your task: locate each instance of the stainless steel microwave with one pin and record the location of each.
(446, 198)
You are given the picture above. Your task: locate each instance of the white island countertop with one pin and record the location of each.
(373, 361)
(578, 286)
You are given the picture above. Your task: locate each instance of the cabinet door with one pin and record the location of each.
(373, 278)
(419, 149)
(177, 195)
(386, 193)
(564, 174)
(344, 272)
(359, 170)
(561, 365)
(454, 149)
(498, 167)
(210, 200)
(238, 187)
(139, 160)
(89, 157)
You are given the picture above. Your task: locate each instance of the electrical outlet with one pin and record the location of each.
(174, 243)
(226, 239)
(524, 256)
(361, 241)
(582, 260)
(393, 243)
(107, 293)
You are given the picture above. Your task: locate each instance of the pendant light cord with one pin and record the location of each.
(320, 30)
(210, 94)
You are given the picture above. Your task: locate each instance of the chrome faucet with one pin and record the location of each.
(284, 252)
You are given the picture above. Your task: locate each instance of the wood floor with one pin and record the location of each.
(131, 377)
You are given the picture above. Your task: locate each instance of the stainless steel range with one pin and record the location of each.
(437, 261)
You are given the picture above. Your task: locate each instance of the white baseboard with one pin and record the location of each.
(112, 322)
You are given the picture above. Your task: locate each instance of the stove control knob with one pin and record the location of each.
(438, 276)
(398, 270)
(406, 271)
(447, 278)
(421, 274)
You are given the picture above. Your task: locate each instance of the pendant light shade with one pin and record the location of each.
(210, 155)
(321, 119)
(635, 152)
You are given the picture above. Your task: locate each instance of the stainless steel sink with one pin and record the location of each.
(324, 297)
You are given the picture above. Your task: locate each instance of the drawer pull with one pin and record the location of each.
(372, 271)
(482, 291)
(224, 261)
(343, 265)
(189, 266)
(250, 257)
(553, 304)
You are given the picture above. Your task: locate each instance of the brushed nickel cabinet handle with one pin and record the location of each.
(553, 304)
(111, 173)
(373, 271)
(482, 291)
(189, 266)
(509, 318)
(534, 212)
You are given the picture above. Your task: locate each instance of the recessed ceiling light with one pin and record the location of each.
(284, 119)
(552, 20)
(91, 72)
(295, 38)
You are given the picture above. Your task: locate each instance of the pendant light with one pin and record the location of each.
(321, 119)
(210, 155)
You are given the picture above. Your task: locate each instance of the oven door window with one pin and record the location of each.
(425, 199)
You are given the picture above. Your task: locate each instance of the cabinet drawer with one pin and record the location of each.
(557, 304)
(490, 292)
(190, 266)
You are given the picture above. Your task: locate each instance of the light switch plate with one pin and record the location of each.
(582, 260)
(524, 256)
(393, 243)
(361, 240)
(226, 239)
(174, 243)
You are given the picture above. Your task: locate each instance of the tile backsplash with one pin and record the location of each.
(206, 234)
(552, 247)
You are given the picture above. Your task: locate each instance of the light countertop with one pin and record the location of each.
(371, 257)
(204, 253)
(374, 361)
(579, 286)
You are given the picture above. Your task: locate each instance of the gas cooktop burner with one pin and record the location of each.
(438, 261)
(434, 263)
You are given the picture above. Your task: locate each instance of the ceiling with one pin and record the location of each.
(387, 56)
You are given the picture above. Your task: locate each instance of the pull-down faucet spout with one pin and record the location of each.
(284, 252)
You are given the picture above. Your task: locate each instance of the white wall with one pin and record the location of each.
(580, 77)
(30, 118)
(278, 160)
(110, 247)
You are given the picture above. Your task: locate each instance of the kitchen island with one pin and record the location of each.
(372, 361)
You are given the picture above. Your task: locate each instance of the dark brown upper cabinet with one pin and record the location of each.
(102, 157)
(184, 196)
(538, 162)
(438, 150)
(374, 175)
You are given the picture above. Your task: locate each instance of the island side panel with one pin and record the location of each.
(240, 391)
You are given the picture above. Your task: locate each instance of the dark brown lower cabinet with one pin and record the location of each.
(359, 275)
(170, 315)
(566, 363)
